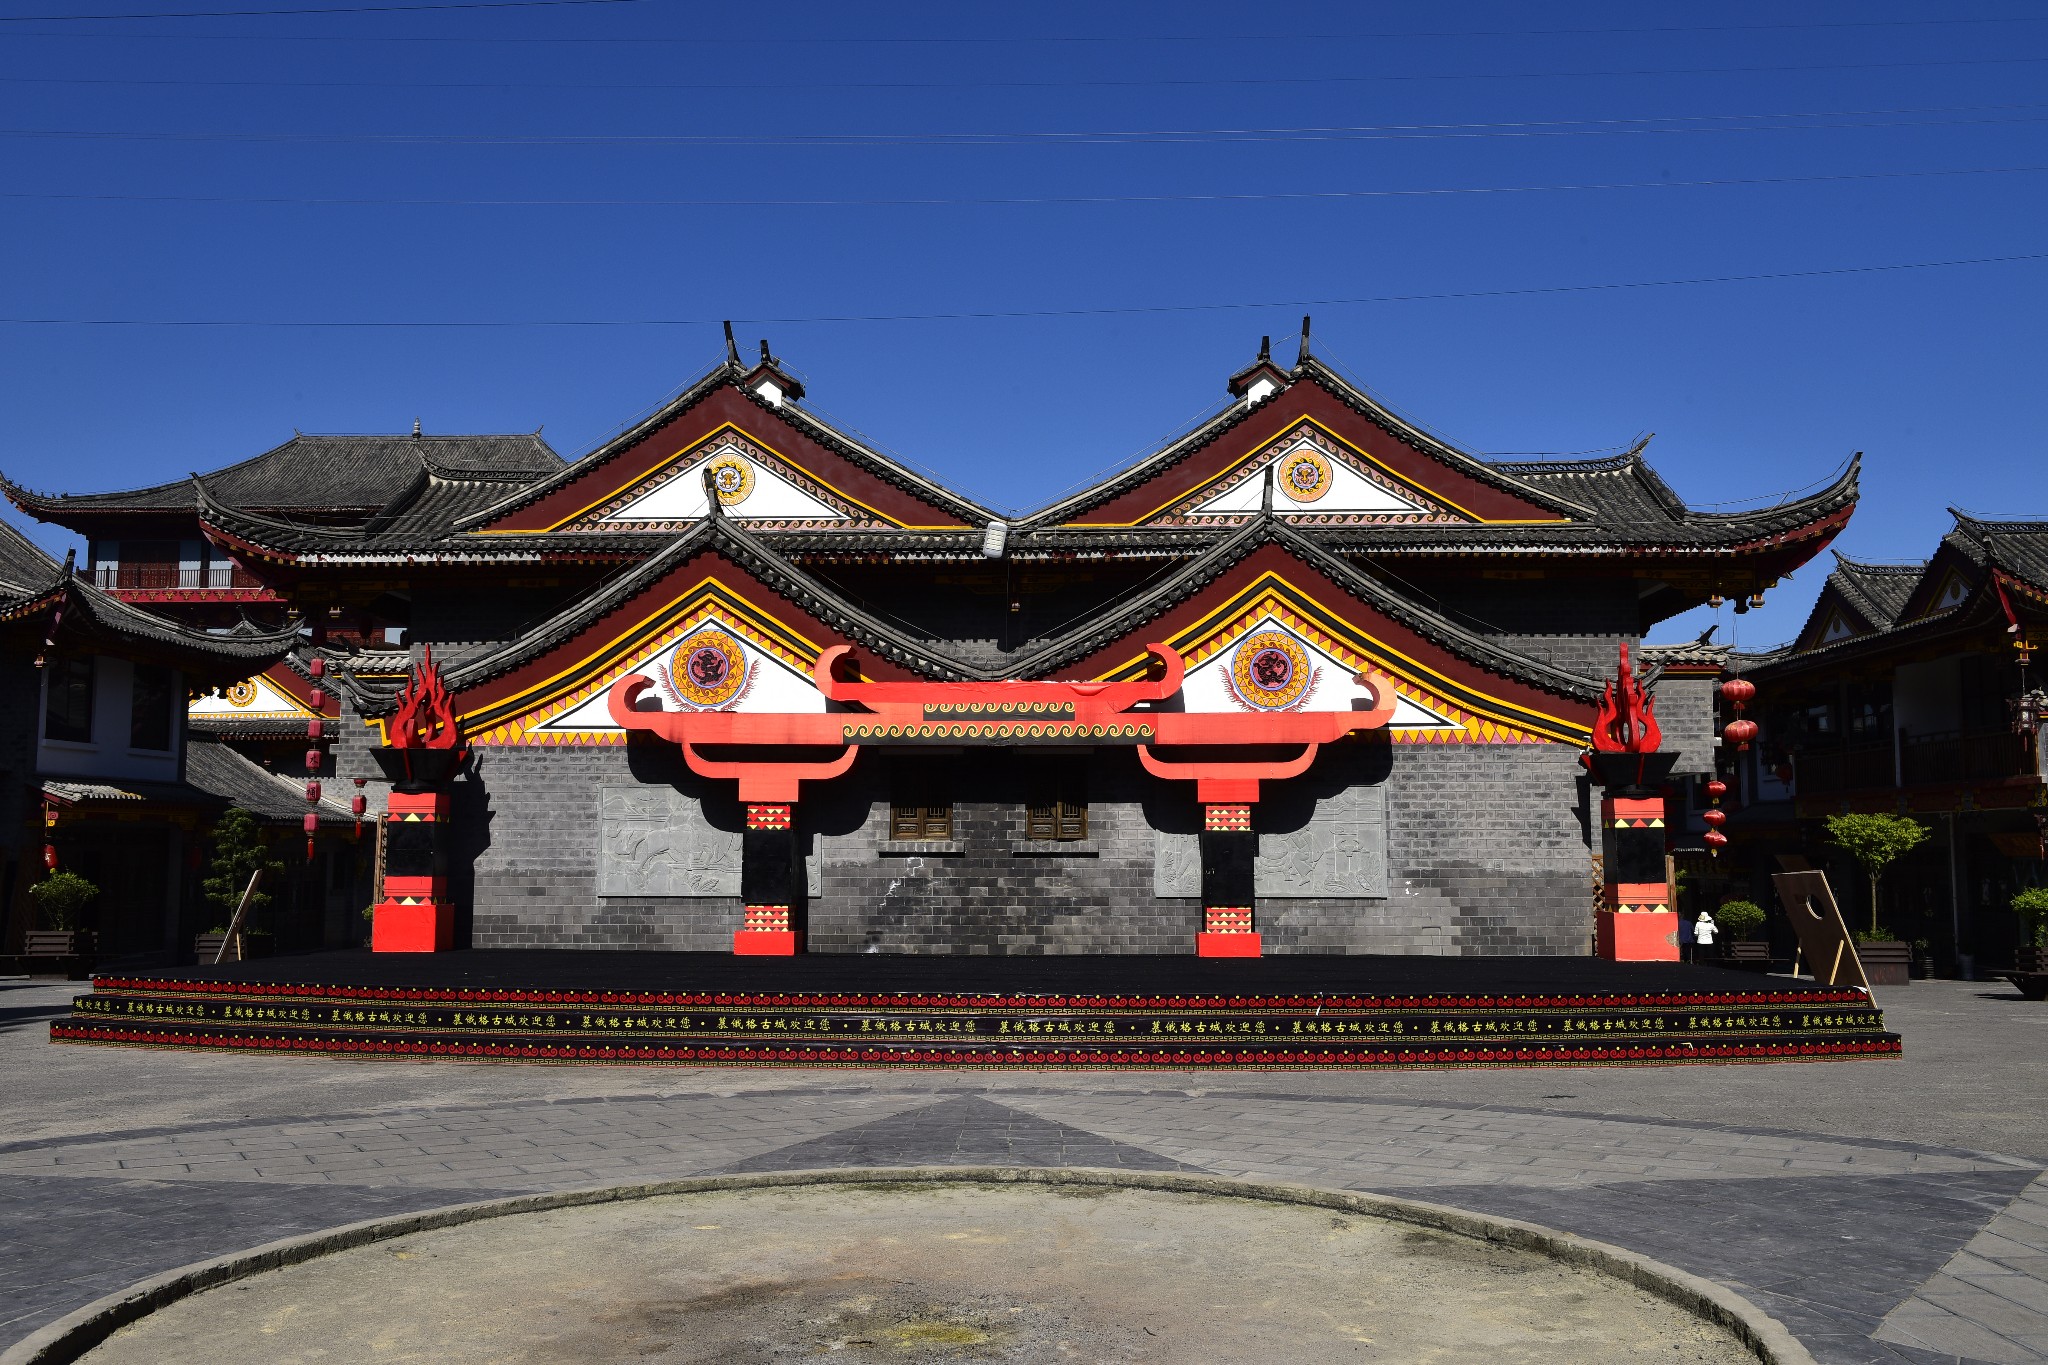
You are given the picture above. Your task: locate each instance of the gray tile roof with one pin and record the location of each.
(1876, 592)
(216, 777)
(324, 474)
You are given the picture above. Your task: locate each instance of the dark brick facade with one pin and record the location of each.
(1487, 845)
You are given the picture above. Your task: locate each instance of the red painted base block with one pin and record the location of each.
(1637, 936)
(428, 927)
(767, 943)
(1226, 945)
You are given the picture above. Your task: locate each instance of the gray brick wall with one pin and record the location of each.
(1488, 854)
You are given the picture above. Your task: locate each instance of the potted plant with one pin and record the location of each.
(239, 852)
(1739, 921)
(60, 899)
(1876, 841)
(2031, 905)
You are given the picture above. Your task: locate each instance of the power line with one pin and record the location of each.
(1165, 83)
(1007, 201)
(993, 315)
(325, 9)
(785, 39)
(1697, 123)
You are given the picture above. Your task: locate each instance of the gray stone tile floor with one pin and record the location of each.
(1889, 1211)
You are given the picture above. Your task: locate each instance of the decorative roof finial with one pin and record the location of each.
(1266, 494)
(714, 506)
(766, 358)
(732, 348)
(415, 428)
(1265, 348)
(1302, 354)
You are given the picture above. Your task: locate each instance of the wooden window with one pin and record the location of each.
(68, 707)
(920, 822)
(1062, 821)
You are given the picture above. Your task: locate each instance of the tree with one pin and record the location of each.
(60, 896)
(1875, 841)
(238, 852)
(1739, 919)
(2031, 905)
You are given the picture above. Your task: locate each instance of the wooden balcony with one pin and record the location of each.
(1960, 756)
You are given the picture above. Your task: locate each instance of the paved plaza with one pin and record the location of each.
(1883, 1210)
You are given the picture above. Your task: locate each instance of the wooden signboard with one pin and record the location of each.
(1823, 937)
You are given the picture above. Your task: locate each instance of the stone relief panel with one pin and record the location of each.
(1340, 851)
(1176, 864)
(656, 841)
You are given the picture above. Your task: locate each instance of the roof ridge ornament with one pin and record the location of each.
(1302, 354)
(732, 348)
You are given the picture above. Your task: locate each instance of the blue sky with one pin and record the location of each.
(754, 163)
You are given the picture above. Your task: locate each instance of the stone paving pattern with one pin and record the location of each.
(1836, 1195)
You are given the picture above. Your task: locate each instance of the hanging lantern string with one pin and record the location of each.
(315, 732)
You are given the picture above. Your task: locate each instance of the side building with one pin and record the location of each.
(1915, 689)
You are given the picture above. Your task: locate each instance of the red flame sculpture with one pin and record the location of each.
(425, 718)
(1626, 722)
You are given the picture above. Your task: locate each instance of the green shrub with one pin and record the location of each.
(1875, 841)
(2031, 905)
(60, 896)
(1739, 919)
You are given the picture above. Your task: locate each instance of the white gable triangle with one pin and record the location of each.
(713, 668)
(1307, 481)
(252, 697)
(748, 490)
(1311, 679)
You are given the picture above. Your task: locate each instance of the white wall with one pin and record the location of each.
(108, 756)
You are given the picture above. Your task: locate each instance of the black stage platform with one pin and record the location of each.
(880, 1010)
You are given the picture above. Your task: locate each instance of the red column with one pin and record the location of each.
(769, 882)
(1228, 851)
(415, 915)
(1636, 922)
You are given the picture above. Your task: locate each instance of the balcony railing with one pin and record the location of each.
(1959, 756)
(162, 577)
(1844, 770)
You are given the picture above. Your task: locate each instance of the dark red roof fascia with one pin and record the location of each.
(629, 465)
(625, 619)
(1278, 561)
(1271, 421)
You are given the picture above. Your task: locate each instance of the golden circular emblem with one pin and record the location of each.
(707, 671)
(1270, 671)
(241, 694)
(1304, 474)
(733, 477)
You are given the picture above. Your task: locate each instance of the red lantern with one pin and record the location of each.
(1740, 733)
(1716, 840)
(313, 791)
(313, 757)
(1716, 788)
(1715, 817)
(50, 857)
(317, 666)
(317, 699)
(315, 730)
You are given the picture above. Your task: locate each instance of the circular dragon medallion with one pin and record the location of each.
(1304, 474)
(1270, 671)
(707, 671)
(733, 478)
(241, 694)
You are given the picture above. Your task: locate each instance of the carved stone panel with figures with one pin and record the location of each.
(657, 842)
(1340, 851)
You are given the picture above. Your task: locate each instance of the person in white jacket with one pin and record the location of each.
(1704, 930)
